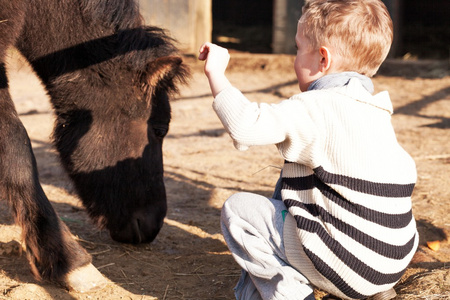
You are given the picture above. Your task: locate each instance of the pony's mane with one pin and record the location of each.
(136, 43)
(116, 14)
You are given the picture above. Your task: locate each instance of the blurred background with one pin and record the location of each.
(422, 28)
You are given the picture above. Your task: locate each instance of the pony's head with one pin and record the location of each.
(110, 138)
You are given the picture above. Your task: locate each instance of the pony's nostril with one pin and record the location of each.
(143, 227)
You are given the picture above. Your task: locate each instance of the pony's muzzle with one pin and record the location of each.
(143, 227)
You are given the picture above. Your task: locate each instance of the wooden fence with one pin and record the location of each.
(188, 21)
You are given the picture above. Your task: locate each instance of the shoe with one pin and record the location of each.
(386, 295)
(330, 297)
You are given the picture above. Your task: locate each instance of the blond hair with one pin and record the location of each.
(359, 31)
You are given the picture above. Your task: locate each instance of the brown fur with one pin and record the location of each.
(109, 78)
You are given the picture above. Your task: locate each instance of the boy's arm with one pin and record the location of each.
(216, 61)
(251, 124)
(247, 123)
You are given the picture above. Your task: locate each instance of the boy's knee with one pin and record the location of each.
(240, 202)
(241, 205)
(233, 204)
(249, 208)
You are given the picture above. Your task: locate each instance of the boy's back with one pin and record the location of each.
(346, 182)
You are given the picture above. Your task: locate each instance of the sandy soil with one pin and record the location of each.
(189, 259)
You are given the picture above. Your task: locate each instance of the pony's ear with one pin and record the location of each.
(163, 70)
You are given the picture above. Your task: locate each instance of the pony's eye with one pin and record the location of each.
(160, 131)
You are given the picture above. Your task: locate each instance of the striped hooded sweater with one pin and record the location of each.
(346, 182)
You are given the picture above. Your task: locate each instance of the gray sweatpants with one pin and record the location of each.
(252, 226)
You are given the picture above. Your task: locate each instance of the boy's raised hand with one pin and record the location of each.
(216, 61)
(216, 58)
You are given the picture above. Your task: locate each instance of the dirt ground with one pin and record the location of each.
(189, 260)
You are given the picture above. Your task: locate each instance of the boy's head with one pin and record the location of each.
(358, 33)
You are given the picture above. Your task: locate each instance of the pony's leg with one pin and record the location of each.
(53, 253)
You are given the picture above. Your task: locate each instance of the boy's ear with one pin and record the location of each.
(325, 59)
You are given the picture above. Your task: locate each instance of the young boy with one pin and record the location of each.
(344, 224)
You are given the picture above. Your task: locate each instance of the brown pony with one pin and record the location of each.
(109, 78)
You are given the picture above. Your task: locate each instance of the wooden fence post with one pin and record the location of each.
(188, 21)
(286, 14)
(395, 8)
